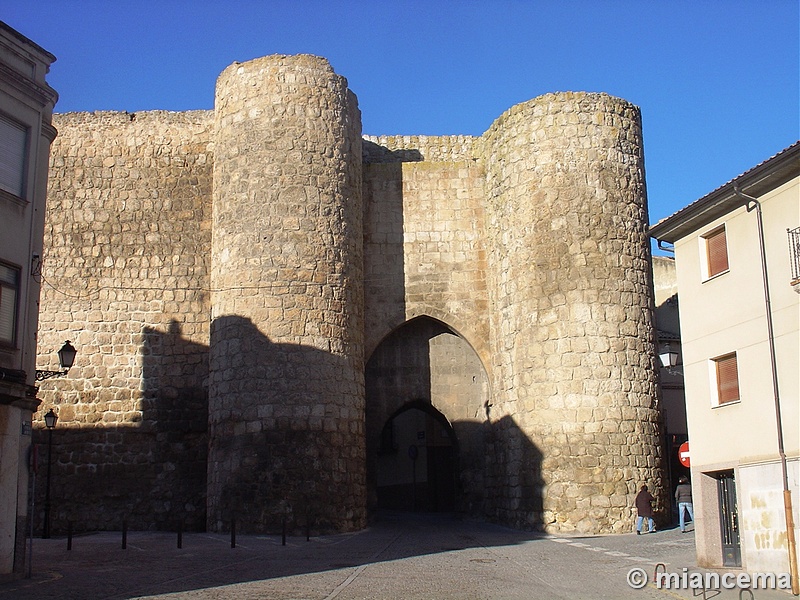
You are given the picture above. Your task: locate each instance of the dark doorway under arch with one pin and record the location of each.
(417, 461)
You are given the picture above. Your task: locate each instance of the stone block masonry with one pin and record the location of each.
(286, 384)
(126, 269)
(256, 291)
(569, 275)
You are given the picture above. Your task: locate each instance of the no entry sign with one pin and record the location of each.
(683, 454)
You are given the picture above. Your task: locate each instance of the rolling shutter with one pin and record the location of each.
(13, 143)
(717, 250)
(727, 378)
(9, 284)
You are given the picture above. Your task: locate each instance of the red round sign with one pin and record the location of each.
(683, 454)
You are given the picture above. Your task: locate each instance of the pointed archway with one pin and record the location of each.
(427, 395)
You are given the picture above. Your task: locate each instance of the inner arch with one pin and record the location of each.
(417, 461)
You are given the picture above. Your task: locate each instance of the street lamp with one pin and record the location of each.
(668, 357)
(66, 358)
(50, 420)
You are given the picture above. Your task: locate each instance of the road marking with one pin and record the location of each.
(606, 551)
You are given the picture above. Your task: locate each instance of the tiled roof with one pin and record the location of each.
(667, 336)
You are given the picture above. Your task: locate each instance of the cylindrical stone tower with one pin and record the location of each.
(576, 408)
(286, 387)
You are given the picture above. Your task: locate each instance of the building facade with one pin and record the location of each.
(278, 317)
(741, 348)
(26, 132)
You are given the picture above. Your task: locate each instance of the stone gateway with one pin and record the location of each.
(279, 319)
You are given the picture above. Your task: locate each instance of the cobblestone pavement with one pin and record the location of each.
(399, 556)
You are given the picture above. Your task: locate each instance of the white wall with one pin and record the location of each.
(726, 314)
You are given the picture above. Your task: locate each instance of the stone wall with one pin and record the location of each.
(571, 309)
(126, 279)
(502, 281)
(424, 244)
(286, 384)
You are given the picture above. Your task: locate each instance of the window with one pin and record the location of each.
(726, 373)
(13, 149)
(9, 291)
(716, 250)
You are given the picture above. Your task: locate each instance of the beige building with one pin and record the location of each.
(740, 361)
(26, 107)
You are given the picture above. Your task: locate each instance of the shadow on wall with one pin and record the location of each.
(375, 153)
(667, 316)
(286, 428)
(515, 492)
(421, 468)
(293, 454)
(149, 471)
(384, 260)
(286, 441)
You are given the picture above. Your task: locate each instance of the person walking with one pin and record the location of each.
(683, 496)
(644, 507)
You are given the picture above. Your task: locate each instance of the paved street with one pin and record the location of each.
(399, 556)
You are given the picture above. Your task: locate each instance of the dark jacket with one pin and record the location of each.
(683, 493)
(644, 504)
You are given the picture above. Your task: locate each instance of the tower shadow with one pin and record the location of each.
(143, 463)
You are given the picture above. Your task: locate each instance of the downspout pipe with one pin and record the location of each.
(662, 246)
(751, 205)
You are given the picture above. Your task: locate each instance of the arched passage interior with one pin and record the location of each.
(426, 387)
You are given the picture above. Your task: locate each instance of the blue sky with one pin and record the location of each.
(718, 82)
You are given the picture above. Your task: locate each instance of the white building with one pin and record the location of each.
(26, 108)
(741, 362)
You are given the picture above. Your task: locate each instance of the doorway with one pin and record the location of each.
(417, 461)
(729, 520)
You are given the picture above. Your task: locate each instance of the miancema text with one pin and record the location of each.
(728, 581)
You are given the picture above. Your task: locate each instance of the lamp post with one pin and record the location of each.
(50, 420)
(66, 358)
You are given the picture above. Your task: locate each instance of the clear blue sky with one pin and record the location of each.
(718, 81)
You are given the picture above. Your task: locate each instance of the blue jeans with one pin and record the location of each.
(681, 518)
(649, 523)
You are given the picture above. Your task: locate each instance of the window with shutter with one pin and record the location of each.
(727, 378)
(716, 245)
(9, 290)
(13, 149)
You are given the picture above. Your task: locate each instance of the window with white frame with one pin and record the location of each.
(725, 378)
(9, 293)
(714, 247)
(13, 152)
